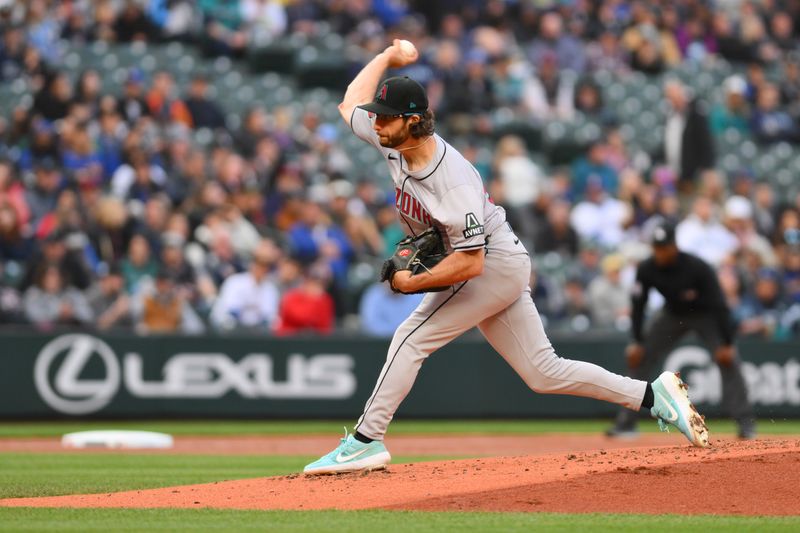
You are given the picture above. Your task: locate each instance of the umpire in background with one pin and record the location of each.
(693, 303)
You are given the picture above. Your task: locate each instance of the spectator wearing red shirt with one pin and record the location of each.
(308, 307)
(162, 102)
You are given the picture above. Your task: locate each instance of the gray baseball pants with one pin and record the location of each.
(499, 303)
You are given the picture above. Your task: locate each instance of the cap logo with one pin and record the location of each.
(412, 105)
(382, 93)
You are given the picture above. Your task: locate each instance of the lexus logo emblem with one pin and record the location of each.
(68, 392)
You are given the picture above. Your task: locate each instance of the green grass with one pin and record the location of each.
(398, 427)
(27, 519)
(39, 474)
(34, 474)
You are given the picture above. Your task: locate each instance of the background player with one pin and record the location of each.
(693, 303)
(488, 269)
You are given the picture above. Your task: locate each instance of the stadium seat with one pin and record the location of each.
(652, 92)
(647, 120)
(98, 49)
(244, 97)
(186, 65)
(631, 107)
(587, 133)
(704, 82)
(783, 177)
(148, 63)
(765, 165)
(221, 65)
(109, 61)
(317, 67)
(233, 121)
(175, 50)
(782, 151)
(203, 137)
(732, 137)
(231, 81)
(283, 95)
(615, 93)
(527, 131)
(731, 163)
(73, 61)
(276, 57)
(749, 151)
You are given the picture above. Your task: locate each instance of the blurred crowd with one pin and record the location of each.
(112, 216)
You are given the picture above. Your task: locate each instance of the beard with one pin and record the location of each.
(393, 141)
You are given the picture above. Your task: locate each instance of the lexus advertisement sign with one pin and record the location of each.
(85, 375)
(61, 363)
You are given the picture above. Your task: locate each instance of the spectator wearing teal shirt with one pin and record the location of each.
(224, 31)
(138, 264)
(733, 112)
(593, 166)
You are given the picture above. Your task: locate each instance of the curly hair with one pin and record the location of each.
(425, 126)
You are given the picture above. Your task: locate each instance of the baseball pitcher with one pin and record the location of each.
(478, 274)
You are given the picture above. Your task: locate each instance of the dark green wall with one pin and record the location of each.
(314, 378)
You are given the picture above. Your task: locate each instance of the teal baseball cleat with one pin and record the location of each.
(351, 456)
(671, 405)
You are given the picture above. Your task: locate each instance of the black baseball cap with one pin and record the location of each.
(663, 234)
(398, 96)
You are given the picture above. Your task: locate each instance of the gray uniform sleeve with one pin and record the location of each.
(461, 213)
(361, 124)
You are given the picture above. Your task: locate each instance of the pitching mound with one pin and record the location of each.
(752, 478)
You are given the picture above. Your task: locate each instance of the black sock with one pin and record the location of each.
(648, 400)
(366, 440)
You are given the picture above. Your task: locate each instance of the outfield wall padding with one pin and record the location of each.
(93, 376)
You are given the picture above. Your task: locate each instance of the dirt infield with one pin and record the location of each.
(738, 478)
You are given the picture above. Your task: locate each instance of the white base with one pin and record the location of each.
(117, 439)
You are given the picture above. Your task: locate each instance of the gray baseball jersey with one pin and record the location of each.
(449, 193)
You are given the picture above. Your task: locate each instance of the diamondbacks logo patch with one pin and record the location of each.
(382, 92)
(472, 226)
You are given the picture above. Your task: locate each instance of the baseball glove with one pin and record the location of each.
(416, 253)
